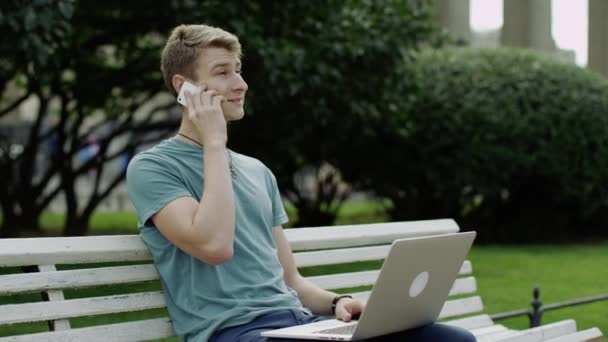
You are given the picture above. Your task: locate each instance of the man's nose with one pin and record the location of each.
(240, 84)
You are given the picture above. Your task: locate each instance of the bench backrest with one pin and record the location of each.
(112, 279)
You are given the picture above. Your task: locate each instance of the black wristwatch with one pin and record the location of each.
(334, 302)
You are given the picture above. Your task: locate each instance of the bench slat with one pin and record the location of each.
(583, 335)
(461, 286)
(473, 322)
(343, 280)
(368, 234)
(72, 250)
(365, 278)
(456, 307)
(72, 279)
(464, 286)
(544, 332)
(339, 256)
(45, 311)
(108, 248)
(498, 336)
(490, 330)
(82, 278)
(348, 255)
(120, 332)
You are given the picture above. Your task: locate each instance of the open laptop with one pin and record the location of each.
(412, 287)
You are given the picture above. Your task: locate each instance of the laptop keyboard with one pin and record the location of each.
(343, 330)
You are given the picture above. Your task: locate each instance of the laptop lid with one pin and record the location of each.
(413, 284)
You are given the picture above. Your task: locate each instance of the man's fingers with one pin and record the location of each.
(207, 97)
(189, 105)
(343, 312)
(217, 100)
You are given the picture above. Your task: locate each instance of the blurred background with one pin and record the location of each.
(491, 113)
(494, 113)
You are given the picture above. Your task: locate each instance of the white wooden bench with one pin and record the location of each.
(66, 269)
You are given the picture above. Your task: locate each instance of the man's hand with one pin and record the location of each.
(205, 112)
(347, 309)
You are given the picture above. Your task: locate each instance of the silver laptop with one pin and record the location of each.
(412, 287)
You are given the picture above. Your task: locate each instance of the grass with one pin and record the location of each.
(505, 275)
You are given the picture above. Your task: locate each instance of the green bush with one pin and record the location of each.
(510, 143)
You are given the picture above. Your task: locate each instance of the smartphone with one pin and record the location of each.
(187, 86)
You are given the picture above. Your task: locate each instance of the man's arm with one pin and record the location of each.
(312, 296)
(205, 229)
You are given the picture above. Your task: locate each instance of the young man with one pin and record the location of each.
(212, 218)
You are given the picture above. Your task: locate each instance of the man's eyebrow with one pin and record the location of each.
(225, 64)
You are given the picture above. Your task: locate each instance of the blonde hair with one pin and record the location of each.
(185, 45)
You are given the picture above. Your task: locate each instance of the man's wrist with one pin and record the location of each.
(334, 302)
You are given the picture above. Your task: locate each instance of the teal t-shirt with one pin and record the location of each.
(203, 298)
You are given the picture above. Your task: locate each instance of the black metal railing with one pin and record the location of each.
(536, 313)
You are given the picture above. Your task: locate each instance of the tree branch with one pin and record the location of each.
(14, 105)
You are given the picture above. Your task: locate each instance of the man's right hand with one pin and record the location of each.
(204, 110)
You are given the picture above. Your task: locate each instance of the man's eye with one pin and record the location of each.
(239, 71)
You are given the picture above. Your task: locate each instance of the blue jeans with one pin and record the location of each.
(250, 332)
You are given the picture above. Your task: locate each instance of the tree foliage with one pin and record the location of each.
(317, 72)
(507, 142)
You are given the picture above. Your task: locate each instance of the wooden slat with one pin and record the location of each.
(90, 249)
(467, 268)
(72, 250)
(72, 279)
(343, 280)
(53, 296)
(365, 278)
(367, 234)
(121, 332)
(456, 307)
(544, 332)
(491, 330)
(46, 311)
(473, 322)
(461, 286)
(583, 335)
(82, 278)
(339, 256)
(498, 336)
(349, 255)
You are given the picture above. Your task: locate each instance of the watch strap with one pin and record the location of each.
(334, 302)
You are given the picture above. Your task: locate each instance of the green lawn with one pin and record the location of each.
(506, 276)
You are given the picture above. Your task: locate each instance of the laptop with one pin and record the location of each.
(413, 284)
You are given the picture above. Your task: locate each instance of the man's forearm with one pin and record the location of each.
(313, 297)
(214, 219)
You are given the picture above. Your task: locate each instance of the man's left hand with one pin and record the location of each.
(347, 309)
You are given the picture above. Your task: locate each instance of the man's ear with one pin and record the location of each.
(177, 81)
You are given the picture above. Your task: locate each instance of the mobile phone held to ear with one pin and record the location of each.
(189, 87)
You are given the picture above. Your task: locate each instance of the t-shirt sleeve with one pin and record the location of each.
(151, 186)
(279, 216)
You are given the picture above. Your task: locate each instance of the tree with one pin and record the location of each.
(318, 73)
(319, 76)
(92, 77)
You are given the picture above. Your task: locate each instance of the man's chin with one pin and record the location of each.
(234, 116)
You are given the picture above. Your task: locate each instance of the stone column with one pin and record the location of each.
(454, 16)
(597, 37)
(527, 24)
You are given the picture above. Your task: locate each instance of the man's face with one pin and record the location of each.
(220, 70)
